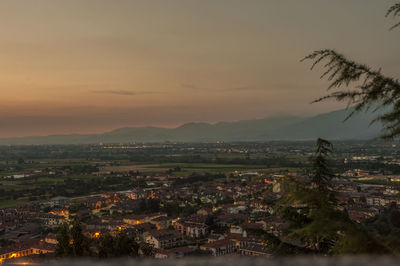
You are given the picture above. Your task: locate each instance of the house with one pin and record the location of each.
(51, 220)
(256, 250)
(135, 194)
(204, 211)
(219, 247)
(228, 220)
(191, 229)
(103, 225)
(97, 202)
(60, 212)
(6, 227)
(26, 248)
(51, 239)
(139, 230)
(235, 209)
(161, 222)
(359, 215)
(134, 219)
(58, 201)
(214, 237)
(177, 252)
(381, 200)
(238, 239)
(163, 239)
(274, 225)
(196, 230)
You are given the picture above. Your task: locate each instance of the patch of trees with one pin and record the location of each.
(386, 227)
(318, 223)
(73, 243)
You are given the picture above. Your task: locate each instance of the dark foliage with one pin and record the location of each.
(120, 246)
(394, 11)
(370, 88)
(322, 174)
(315, 220)
(72, 242)
(386, 227)
(63, 247)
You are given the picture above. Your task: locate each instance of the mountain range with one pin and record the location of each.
(330, 126)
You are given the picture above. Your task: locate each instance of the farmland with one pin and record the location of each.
(29, 173)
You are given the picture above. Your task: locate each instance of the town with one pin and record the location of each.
(179, 200)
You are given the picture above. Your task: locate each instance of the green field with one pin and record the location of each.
(187, 169)
(12, 203)
(26, 186)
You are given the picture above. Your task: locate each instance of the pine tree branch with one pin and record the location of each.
(370, 88)
(394, 11)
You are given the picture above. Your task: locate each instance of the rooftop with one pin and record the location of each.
(287, 261)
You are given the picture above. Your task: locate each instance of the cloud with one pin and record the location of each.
(239, 89)
(233, 89)
(124, 92)
(193, 87)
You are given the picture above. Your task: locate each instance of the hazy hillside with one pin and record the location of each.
(329, 126)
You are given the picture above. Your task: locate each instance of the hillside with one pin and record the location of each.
(329, 125)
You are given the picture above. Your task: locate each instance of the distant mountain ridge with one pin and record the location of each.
(329, 125)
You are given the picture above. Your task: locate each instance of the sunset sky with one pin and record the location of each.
(83, 66)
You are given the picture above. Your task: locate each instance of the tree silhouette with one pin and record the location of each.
(125, 245)
(106, 246)
(121, 245)
(322, 175)
(147, 250)
(395, 12)
(370, 88)
(80, 244)
(63, 247)
(71, 241)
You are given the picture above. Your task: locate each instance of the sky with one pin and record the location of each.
(89, 66)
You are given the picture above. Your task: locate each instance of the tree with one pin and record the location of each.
(71, 241)
(322, 174)
(106, 246)
(120, 246)
(314, 218)
(371, 88)
(394, 11)
(386, 227)
(125, 245)
(63, 247)
(147, 250)
(80, 244)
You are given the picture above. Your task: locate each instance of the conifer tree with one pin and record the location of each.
(125, 245)
(63, 247)
(147, 250)
(321, 226)
(364, 88)
(322, 175)
(106, 246)
(80, 244)
(121, 245)
(71, 241)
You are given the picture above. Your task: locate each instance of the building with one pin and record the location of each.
(51, 239)
(163, 239)
(134, 219)
(51, 220)
(58, 201)
(26, 248)
(219, 247)
(191, 229)
(161, 222)
(255, 250)
(177, 252)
